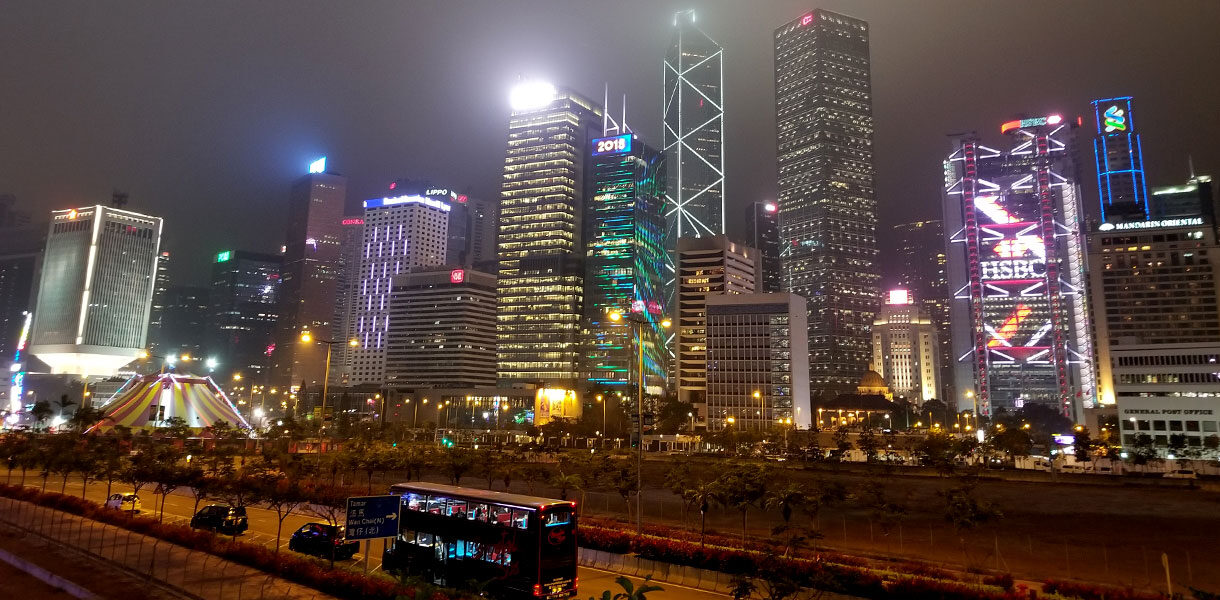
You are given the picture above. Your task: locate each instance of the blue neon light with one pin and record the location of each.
(380, 202)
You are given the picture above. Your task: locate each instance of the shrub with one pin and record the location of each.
(311, 572)
(1086, 591)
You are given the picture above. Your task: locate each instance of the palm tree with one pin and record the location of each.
(565, 482)
(703, 495)
(786, 499)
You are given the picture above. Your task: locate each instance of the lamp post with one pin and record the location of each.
(638, 320)
(602, 401)
(762, 417)
(307, 338)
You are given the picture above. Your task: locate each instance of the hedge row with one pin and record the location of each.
(311, 572)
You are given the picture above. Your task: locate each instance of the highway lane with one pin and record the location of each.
(179, 507)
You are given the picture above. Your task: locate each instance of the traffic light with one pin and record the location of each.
(446, 442)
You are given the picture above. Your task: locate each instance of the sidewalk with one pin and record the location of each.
(177, 570)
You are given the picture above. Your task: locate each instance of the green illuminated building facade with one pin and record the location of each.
(625, 256)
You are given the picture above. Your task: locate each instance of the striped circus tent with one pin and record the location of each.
(149, 401)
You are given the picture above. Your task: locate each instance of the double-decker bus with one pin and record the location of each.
(519, 546)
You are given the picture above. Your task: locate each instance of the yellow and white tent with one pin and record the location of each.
(149, 401)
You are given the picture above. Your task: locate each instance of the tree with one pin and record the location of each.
(563, 482)
(532, 473)
(284, 496)
(965, 512)
(674, 416)
(1082, 445)
(938, 450)
(176, 428)
(41, 411)
(868, 444)
(702, 495)
(842, 444)
(1143, 451)
(741, 488)
(456, 463)
(786, 499)
(489, 463)
(886, 512)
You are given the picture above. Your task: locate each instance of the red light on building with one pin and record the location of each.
(462, 198)
(353, 221)
(807, 19)
(457, 276)
(393, 185)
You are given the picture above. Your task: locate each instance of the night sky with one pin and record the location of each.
(204, 112)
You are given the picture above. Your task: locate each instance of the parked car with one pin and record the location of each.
(1181, 474)
(128, 501)
(320, 539)
(221, 518)
(1072, 468)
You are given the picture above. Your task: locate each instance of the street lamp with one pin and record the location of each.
(638, 321)
(761, 409)
(307, 338)
(602, 401)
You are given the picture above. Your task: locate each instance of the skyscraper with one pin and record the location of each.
(96, 289)
(827, 208)
(756, 372)
(309, 282)
(921, 263)
(21, 247)
(1153, 282)
(184, 320)
(539, 244)
(707, 266)
(905, 349)
(156, 315)
(1016, 267)
(693, 109)
(762, 234)
(348, 295)
(442, 329)
(1120, 160)
(400, 234)
(244, 297)
(624, 225)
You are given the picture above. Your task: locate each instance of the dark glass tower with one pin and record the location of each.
(762, 234)
(1120, 161)
(539, 245)
(624, 232)
(244, 295)
(693, 109)
(921, 263)
(827, 209)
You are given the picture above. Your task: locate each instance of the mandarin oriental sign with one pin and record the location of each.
(1184, 222)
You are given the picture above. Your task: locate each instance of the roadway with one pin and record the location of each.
(180, 504)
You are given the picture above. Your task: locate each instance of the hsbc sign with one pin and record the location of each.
(1012, 269)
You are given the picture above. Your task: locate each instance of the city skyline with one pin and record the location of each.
(218, 153)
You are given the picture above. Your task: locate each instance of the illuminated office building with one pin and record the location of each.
(21, 249)
(693, 129)
(442, 329)
(539, 245)
(1021, 331)
(762, 234)
(309, 281)
(707, 266)
(472, 221)
(905, 348)
(96, 288)
(156, 315)
(625, 257)
(827, 206)
(757, 374)
(1153, 282)
(921, 263)
(1120, 161)
(400, 234)
(244, 296)
(348, 292)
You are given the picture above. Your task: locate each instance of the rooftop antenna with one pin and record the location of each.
(609, 125)
(118, 199)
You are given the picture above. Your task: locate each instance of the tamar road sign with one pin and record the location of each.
(372, 517)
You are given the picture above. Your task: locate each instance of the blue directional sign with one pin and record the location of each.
(372, 517)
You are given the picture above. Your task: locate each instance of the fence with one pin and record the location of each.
(171, 568)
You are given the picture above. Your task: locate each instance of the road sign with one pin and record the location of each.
(372, 517)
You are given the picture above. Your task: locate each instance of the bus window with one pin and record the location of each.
(436, 504)
(478, 512)
(415, 502)
(559, 516)
(521, 518)
(501, 515)
(457, 508)
(425, 539)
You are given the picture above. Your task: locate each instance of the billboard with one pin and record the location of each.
(555, 403)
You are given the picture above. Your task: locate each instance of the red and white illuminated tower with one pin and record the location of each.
(1016, 267)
